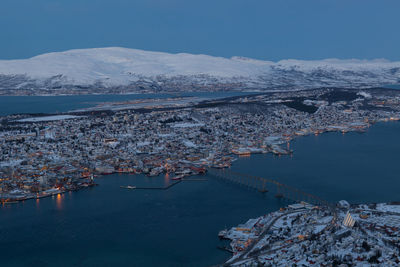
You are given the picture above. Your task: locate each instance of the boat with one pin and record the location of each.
(178, 177)
(223, 233)
(198, 169)
(128, 186)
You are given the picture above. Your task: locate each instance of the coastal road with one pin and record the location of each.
(262, 235)
(282, 247)
(265, 232)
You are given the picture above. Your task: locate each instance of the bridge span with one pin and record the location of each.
(265, 185)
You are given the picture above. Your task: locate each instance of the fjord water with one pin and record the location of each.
(393, 86)
(55, 104)
(110, 226)
(358, 167)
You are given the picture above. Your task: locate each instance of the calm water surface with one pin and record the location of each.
(54, 104)
(393, 86)
(109, 226)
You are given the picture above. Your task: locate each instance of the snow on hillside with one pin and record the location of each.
(111, 67)
(119, 64)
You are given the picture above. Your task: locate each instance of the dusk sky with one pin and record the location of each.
(263, 29)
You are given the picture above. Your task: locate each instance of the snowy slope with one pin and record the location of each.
(134, 69)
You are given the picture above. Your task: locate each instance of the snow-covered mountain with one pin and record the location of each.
(129, 70)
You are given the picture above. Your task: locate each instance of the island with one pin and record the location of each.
(46, 154)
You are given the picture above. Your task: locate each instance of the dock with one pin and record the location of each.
(194, 179)
(159, 188)
(166, 187)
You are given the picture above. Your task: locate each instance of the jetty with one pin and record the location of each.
(158, 187)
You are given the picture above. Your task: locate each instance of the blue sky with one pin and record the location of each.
(264, 29)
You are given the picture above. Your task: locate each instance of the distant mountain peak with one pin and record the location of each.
(137, 70)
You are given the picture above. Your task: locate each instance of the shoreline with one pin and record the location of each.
(232, 156)
(38, 196)
(181, 141)
(288, 237)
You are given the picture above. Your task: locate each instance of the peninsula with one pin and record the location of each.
(42, 155)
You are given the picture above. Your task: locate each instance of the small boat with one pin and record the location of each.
(128, 187)
(178, 177)
(223, 233)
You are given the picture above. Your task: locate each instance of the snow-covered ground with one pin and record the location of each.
(10, 163)
(187, 125)
(388, 208)
(50, 118)
(116, 66)
(319, 236)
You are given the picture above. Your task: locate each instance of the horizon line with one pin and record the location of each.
(383, 60)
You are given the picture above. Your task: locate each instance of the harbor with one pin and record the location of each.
(182, 223)
(65, 151)
(199, 134)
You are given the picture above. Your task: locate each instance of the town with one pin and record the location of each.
(43, 155)
(306, 235)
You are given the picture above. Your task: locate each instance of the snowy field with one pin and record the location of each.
(50, 118)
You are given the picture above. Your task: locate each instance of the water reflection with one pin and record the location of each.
(166, 179)
(59, 201)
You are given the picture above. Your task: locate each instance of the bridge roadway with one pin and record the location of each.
(264, 185)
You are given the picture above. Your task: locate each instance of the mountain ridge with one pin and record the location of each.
(133, 70)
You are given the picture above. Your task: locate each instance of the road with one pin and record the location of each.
(265, 232)
(262, 235)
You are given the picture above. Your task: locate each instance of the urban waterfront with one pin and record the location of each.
(107, 225)
(199, 134)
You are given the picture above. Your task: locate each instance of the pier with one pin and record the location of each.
(160, 188)
(172, 184)
(265, 185)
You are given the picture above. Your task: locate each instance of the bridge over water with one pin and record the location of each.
(265, 185)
